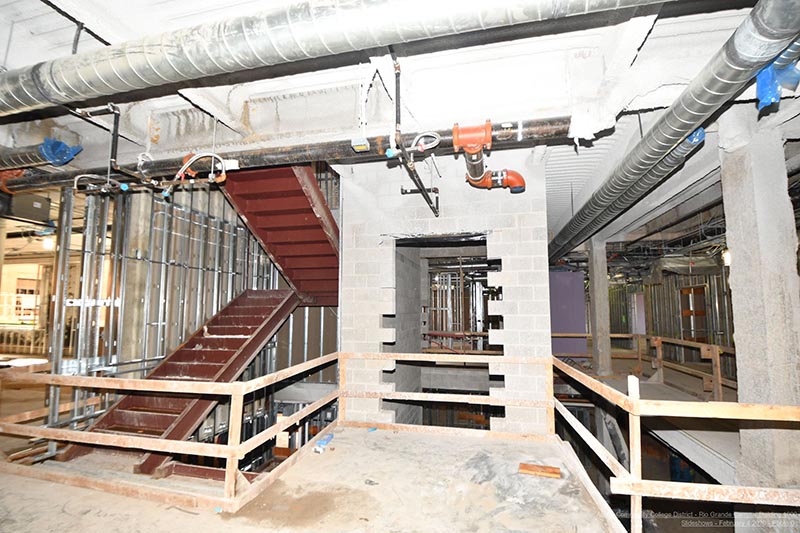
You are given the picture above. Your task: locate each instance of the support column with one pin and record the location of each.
(136, 299)
(765, 290)
(599, 319)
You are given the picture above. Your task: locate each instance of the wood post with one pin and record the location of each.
(711, 351)
(342, 412)
(234, 438)
(658, 362)
(640, 341)
(635, 441)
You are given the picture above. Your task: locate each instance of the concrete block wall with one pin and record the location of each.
(455, 379)
(406, 321)
(375, 214)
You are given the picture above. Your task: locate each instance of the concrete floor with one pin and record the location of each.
(366, 481)
(399, 481)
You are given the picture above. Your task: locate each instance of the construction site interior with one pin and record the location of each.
(395, 265)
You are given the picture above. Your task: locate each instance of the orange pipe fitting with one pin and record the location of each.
(472, 139)
(514, 181)
(507, 179)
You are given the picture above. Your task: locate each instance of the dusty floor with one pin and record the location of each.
(397, 481)
(366, 481)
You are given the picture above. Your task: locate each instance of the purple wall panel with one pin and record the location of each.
(567, 310)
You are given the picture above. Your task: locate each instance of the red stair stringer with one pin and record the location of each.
(182, 414)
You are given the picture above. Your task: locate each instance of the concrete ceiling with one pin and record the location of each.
(612, 75)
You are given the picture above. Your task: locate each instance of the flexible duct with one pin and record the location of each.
(50, 152)
(290, 32)
(770, 27)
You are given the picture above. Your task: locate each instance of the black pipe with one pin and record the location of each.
(505, 136)
(408, 163)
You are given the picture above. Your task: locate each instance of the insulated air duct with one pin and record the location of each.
(770, 27)
(50, 152)
(290, 32)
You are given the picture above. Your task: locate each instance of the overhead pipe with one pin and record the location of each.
(770, 27)
(283, 34)
(648, 182)
(474, 140)
(406, 160)
(504, 136)
(49, 152)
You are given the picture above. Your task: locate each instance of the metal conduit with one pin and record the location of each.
(291, 32)
(770, 27)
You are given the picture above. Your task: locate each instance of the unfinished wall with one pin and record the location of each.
(455, 379)
(406, 322)
(374, 214)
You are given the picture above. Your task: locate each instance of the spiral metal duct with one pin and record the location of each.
(769, 29)
(290, 32)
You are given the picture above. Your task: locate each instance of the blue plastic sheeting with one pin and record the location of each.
(57, 152)
(768, 88)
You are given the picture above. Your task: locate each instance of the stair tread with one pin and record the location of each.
(131, 430)
(154, 410)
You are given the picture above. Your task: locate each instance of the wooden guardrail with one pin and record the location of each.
(630, 482)
(644, 345)
(238, 490)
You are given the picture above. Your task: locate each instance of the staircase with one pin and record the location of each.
(284, 208)
(219, 351)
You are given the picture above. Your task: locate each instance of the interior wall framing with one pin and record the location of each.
(663, 314)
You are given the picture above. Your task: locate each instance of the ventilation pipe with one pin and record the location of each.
(474, 140)
(769, 29)
(50, 152)
(290, 32)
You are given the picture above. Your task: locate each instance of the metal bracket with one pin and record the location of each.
(403, 190)
(426, 193)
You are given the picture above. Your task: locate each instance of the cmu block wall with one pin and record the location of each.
(374, 214)
(408, 336)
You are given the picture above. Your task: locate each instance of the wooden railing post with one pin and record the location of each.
(635, 441)
(712, 352)
(341, 413)
(658, 363)
(640, 340)
(234, 439)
